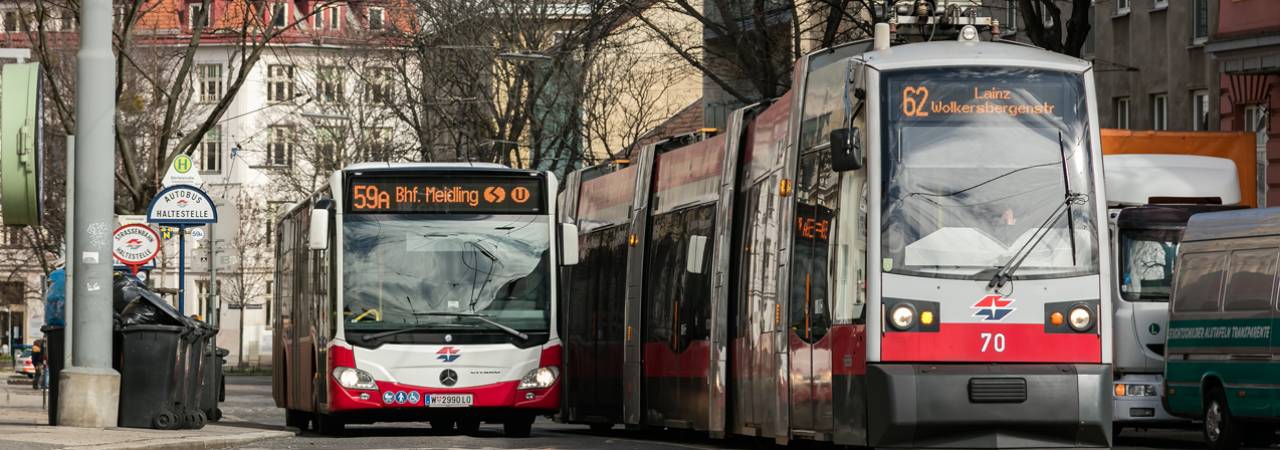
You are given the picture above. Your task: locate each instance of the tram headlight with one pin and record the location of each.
(1080, 319)
(353, 378)
(902, 317)
(540, 378)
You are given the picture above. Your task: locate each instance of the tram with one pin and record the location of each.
(905, 250)
(420, 292)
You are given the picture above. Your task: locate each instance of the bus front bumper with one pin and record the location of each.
(989, 405)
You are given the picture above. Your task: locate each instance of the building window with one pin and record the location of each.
(1160, 4)
(279, 83)
(329, 84)
(1199, 21)
(209, 79)
(1200, 110)
(328, 148)
(377, 17)
(1160, 112)
(196, 16)
(67, 20)
(211, 151)
(1255, 118)
(279, 14)
(377, 86)
(328, 17)
(1011, 16)
(1122, 7)
(376, 144)
(1122, 113)
(12, 236)
(12, 21)
(280, 146)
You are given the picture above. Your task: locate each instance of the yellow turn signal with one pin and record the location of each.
(1056, 320)
(1119, 387)
(926, 318)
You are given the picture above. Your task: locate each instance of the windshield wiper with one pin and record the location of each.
(1004, 273)
(482, 318)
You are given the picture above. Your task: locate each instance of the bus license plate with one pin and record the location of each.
(448, 400)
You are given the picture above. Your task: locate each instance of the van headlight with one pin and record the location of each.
(353, 378)
(902, 317)
(540, 378)
(1080, 318)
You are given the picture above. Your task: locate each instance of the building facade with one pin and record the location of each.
(1245, 45)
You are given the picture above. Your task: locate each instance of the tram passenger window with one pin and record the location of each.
(1251, 281)
(1200, 282)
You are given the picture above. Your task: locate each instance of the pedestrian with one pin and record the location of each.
(37, 361)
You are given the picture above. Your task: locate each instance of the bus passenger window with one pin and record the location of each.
(1200, 282)
(1251, 280)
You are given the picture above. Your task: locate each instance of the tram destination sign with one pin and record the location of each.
(490, 195)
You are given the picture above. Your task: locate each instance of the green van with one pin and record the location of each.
(1223, 346)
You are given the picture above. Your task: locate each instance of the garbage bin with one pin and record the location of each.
(151, 370)
(195, 343)
(56, 345)
(212, 391)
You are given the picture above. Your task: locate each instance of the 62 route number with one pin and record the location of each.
(993, 342)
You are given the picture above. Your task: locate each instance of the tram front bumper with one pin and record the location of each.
(989, 405)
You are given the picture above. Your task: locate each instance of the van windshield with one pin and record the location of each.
(1146, 264)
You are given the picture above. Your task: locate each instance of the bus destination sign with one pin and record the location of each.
(434, 195)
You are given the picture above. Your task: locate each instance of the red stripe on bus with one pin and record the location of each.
(980, 342)
(849, 349)
(695, 162)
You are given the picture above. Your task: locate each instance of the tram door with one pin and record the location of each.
(809, 297)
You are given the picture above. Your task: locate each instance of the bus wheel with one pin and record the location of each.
(329, 425)
(1221, 431)
(518, 426)
(468, 426)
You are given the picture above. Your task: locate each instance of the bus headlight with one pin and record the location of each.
(353, 378)
(1080, 319)
(540, 378)
(902, 317)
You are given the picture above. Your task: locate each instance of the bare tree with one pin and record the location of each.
(244, 285)
(1042, 20)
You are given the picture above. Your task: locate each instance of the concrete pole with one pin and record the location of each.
(90, 389)
(69, 239)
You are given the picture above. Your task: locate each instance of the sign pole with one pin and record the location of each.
(182, 269)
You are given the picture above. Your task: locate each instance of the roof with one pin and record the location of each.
(1233, 224)
(1164, 216)
(441, 166)
(943, 53)
(689, 119)
(1136, 179)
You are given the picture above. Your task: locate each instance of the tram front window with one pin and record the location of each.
(1146, 264)
(435, 271)
(973, 172)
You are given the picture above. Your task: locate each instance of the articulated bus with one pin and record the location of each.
(420, 292)
(905, 250)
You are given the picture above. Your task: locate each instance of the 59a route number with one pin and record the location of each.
(993, 342)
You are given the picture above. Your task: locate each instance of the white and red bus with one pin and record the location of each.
(904, 251)
(420, 292)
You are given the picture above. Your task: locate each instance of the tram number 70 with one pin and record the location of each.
(993, 341)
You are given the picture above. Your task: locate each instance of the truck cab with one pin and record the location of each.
(1150, 199)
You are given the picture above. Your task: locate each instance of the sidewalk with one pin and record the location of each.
(23, 426)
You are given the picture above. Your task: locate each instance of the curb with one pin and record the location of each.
(191, 443)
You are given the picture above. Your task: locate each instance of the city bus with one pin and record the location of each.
(420, 292)
(1223, 354)
(1150, 197)
(907, 250)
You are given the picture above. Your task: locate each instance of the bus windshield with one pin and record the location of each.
(403, 270)
(1146, 264)
(973, 171)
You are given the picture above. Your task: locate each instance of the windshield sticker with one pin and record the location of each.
(887, 265)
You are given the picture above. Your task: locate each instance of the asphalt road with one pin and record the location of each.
(249, 403)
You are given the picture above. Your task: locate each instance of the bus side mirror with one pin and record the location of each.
(697, 252)
(846, 149)
(568, 244)
(318, 234)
